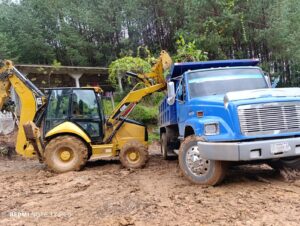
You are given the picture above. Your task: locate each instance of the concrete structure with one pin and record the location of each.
(46, 76)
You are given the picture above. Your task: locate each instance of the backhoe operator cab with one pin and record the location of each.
(83, 107)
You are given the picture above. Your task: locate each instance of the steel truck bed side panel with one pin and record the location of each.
(167, 114)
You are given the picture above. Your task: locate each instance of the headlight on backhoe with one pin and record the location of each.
(211, 129)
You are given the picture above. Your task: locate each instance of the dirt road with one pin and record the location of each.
(106, 194)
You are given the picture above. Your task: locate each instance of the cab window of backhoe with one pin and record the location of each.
(58, 108)
(100, 101)
(85, 112)
(84, 105)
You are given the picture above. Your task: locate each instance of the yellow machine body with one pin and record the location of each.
(68, 128)
(118, 130)
(128, 132)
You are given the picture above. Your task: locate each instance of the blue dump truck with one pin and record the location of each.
(223, 112)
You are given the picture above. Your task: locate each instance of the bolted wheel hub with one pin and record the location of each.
(65, 155)
(133, 156)
(197, 165)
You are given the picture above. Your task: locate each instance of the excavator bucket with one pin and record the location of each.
(163, 63)
(4, 83)
(166, 60)
(4, 92)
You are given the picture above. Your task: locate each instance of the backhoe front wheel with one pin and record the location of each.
(133, 155)
(66, 153)
(195, 168)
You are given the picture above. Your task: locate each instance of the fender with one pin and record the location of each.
(192, 122)
(198, 127)
(68, 127)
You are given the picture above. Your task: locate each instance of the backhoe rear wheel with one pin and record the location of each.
(133, 155)
(66, 153)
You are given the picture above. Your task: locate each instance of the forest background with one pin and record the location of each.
(132, 33)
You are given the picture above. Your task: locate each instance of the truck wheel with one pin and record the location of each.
(133, 155)
(293, 163)
(164, 146)
(66, 153)
(197, 169)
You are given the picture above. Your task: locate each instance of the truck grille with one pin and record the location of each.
(270, 118)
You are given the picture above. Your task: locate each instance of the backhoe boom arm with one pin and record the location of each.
(31, 98)
(153, 81)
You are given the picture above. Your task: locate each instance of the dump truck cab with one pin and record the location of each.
(219, 112)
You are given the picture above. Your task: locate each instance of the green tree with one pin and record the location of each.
(118, 69)
(188, 52)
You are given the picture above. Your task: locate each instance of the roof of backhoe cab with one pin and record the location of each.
(97, 89)
(178, 69)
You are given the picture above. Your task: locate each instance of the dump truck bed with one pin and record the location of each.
(167, 114)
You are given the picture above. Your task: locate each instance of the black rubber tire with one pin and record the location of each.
(77, 148)
(164, 146)
(216, 171)
(293, 163)
(137, 147)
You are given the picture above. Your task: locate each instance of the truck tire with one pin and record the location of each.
(66, 153)
(134, 155)
(293, 163)
(164, 146)
(196, 169)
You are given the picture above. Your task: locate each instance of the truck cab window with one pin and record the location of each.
(181, 91)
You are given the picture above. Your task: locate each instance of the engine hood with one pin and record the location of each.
(249, 97)
(282, 93)
(216, 100)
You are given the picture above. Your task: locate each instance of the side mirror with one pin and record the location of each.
(268, 80)
(275, 82)
(171, 93)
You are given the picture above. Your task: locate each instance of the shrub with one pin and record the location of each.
(147, 115)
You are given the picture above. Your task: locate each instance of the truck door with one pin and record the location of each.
(182, 106)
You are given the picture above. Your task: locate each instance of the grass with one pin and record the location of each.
(153, 133)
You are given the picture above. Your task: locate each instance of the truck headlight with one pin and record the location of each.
(211, 128)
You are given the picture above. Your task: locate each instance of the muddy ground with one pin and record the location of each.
(106, 194)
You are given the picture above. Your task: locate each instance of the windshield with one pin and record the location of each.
(221, 81)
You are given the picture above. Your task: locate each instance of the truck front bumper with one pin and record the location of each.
(247, 151)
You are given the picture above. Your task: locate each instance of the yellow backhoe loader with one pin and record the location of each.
(67, 127)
